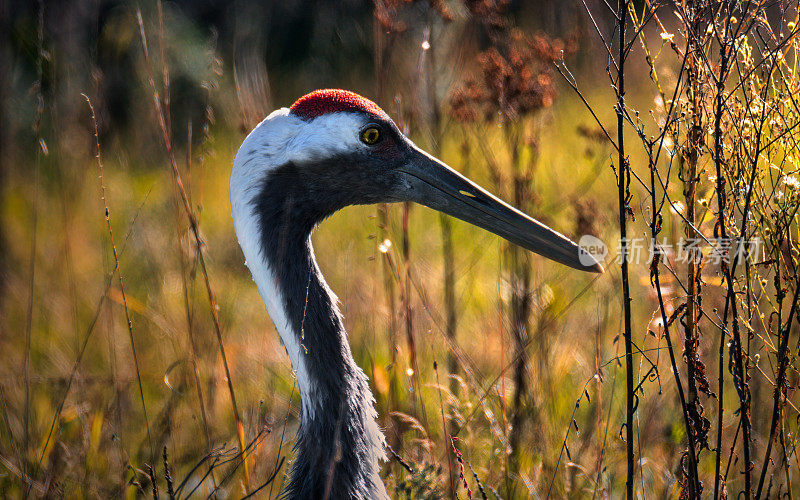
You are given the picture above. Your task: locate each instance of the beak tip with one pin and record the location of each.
(589, 262)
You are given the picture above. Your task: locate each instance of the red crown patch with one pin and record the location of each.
(325, 101)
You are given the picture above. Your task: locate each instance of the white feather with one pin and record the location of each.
(281, 138)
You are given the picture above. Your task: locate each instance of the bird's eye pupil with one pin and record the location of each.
(370, 135)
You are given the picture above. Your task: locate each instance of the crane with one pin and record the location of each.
(331, 149)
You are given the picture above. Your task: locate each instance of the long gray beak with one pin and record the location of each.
(435, 185)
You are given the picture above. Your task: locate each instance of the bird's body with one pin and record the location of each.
(295, 168)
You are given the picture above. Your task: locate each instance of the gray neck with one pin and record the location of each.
(339, 444)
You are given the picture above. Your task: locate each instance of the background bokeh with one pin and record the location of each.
(513, 394)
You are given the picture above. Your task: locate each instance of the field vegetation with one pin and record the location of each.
(138, 359)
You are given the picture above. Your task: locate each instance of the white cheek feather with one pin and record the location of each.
(279, 139)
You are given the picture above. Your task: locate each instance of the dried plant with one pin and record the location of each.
(514, 82)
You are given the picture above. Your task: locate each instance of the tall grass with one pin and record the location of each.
(718, 117)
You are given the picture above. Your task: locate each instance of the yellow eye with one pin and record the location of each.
(370, 135)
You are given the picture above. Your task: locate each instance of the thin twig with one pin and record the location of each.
(119, 273)
(623, 190)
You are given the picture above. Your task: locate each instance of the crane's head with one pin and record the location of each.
(334, 148)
